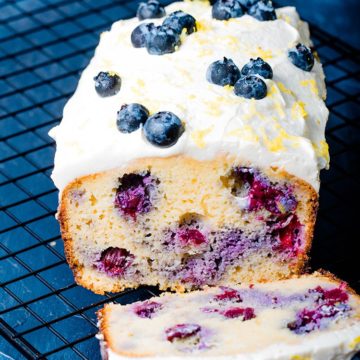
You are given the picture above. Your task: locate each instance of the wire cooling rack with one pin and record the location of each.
(44, 45)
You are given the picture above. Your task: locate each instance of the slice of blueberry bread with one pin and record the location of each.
(310, 317)
(190, 152)
(183, 224)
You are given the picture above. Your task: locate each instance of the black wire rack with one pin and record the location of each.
(44, 45)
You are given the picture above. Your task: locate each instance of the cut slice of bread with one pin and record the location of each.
(309, 317)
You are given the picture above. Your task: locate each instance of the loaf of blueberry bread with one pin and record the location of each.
(190, 153)
(309, 317)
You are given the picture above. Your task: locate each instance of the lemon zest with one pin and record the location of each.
(298, 110)
(198, 136)
(312, 84)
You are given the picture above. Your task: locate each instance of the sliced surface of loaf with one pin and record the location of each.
(310, 317)
(182, 224)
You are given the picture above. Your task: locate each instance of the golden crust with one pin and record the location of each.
(77, 268)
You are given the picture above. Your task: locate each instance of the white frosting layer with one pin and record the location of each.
(264, 338)
(285, 129)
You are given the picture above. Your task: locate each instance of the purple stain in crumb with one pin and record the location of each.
(147, 309)
(198, 271)
(115, 261)
(262, 194)
(208, 267)
(78, 194)
(135, 193)
(270, 299)
(232, 245)
(330, 305)
(209, 310)
(182, 331)
(228, 246)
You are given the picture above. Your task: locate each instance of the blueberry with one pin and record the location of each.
(228, 295)
(250, 86)
(247, 4)
(247, 313)
(162, 40)
(135, 194)
(140, 33)
(308, 320)
(147, 309)
(257, 67)
(163, 129)
(263, 10)
(130, 117)
(226, 9)
(192, 237)
(150, 10)
(182, 331)
(107, 83)
(223, 72)
(302, 57)
(115, 261)
(179, 20)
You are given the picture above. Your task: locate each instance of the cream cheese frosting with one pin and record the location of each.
(263, 338)
(285, 129)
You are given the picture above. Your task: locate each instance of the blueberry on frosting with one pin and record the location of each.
(251, 87)
(107, 83)
(226, 9)
(162, 40)
(223, 72)
(179, 20)
(163, 129)
(150, 10)
(302, 57)
(247, 4)
(140, 34)
(257, 67)
(263, 10)
(130, 117)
